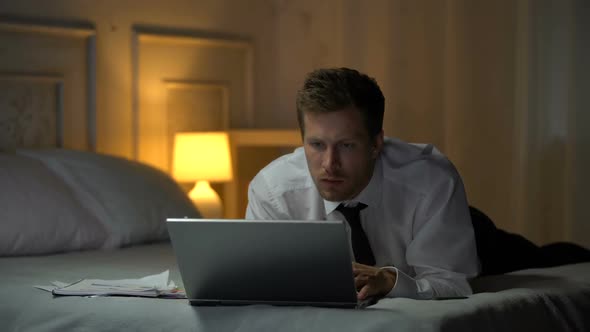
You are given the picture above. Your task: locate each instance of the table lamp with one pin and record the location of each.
(203, 157)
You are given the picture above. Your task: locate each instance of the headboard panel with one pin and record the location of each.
(47, 85)
(31, 109)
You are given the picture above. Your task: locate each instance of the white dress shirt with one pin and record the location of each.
(417, 218)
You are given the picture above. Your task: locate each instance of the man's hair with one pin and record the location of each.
(334, 89)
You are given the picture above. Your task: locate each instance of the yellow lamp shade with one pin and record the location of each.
(201, 156)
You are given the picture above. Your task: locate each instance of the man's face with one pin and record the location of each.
(340, 154)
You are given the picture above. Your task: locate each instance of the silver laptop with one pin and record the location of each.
(236, 262)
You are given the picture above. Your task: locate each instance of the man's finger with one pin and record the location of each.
(358, 272)
(359, 268)
(365, 292)
(362, 266)
(360, 281)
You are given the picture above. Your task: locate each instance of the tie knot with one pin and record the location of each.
(349, 209)
(351, 213)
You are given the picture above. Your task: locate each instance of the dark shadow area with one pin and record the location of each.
(510, 281)
(501, 252)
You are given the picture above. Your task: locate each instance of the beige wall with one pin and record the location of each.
(495, 85)
(489, 82)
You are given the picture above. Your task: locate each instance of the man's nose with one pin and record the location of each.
(331, 160)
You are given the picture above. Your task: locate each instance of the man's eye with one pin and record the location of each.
(316, 145)
(348, 146)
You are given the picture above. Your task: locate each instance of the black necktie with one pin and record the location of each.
(360, 244)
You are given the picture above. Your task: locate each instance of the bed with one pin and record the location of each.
(68, 215)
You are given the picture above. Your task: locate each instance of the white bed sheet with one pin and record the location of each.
(556, 299)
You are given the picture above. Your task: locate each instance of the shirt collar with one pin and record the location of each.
(369, 196)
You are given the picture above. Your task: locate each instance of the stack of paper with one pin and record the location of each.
(156, 285)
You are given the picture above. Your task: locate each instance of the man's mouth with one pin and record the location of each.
(331, 180)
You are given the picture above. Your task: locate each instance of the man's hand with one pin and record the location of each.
(372, 281)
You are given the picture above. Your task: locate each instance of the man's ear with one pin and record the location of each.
(377, 145)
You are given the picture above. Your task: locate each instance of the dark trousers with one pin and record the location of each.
(501, 252)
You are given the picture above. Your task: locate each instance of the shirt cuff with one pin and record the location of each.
(405, 286)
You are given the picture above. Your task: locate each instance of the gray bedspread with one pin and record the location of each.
(556, 299)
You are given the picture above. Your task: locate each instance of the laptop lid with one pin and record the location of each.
(280, 262)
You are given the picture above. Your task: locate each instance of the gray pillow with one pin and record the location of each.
(131, 200)
(39, 214)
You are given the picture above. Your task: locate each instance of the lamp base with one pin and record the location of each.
(206, 200)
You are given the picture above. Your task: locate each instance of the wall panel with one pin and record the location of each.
(47, 71)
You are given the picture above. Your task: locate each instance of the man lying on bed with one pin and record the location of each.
(409, 221)
(411, 199)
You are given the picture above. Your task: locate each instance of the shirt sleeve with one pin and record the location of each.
(261, 202)
(442, 253)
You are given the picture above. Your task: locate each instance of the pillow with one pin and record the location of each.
(130, 199)
(39, 213)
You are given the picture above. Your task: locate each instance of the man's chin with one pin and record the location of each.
(332, 196)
